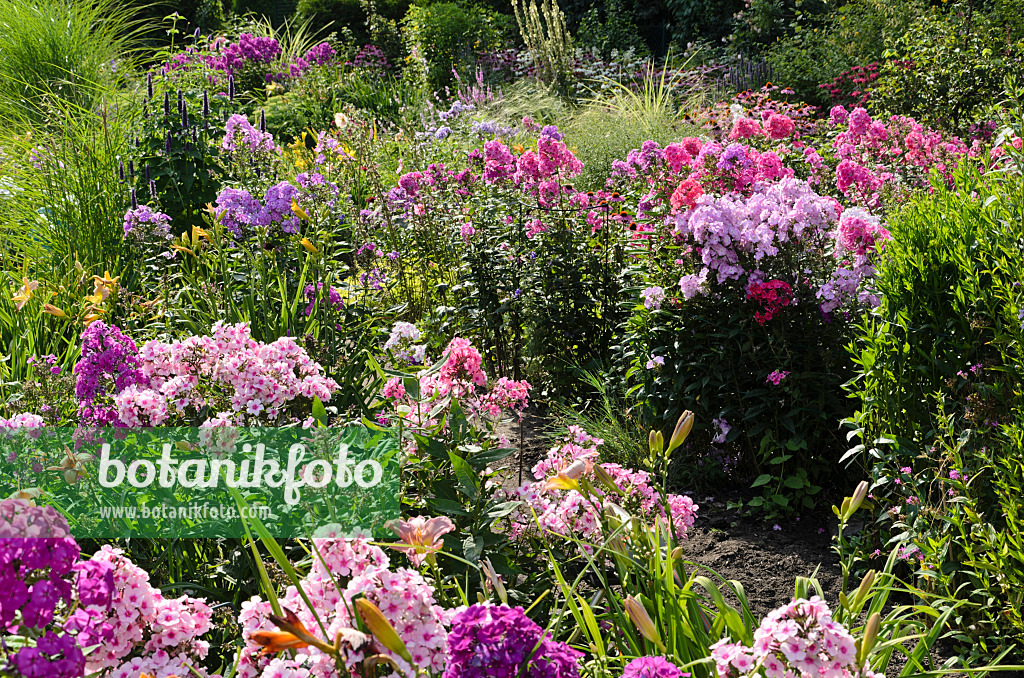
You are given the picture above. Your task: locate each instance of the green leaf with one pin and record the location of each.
(762, 479)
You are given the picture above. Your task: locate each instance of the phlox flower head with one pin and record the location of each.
(779, 126)
(652, 667)
(496, 641)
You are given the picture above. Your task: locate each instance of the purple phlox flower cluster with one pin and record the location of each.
(320, 55)
(374, 279)
(369, 57)
(239, 133)
(243, 212)
(108, 364)
(776, 377)
(491, 129)
(455, 110)
(799, 639)
(143, 221)
(655, 362)
(314, 293)
(37, 574)
(723, 427)
(653, 296)
(496, 641)
(402, 340)
(733, 233)
(652, 667)
(249, 49)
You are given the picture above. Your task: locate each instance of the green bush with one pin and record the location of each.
(334, 15)
(612, 28)
(947, 73)
(940, 424)
(447, 33)
(854, 35)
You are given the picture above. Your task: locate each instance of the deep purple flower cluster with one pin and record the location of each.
(109, 364)
(333, 297)
(369, 57)
(52, 657)
(500, 642)
(37, 562)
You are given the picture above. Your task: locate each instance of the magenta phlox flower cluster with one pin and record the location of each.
(797, 640)
(497, 641)
(569, 513)
(344, 569)
(38, 576)
(652, 667)
(238, 377)
(108, 365)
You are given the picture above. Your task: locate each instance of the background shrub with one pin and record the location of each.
(949, 72)
(447, 33)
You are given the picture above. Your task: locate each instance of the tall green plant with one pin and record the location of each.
(64, 49)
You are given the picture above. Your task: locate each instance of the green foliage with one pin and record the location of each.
(696, 19)
(821, 48)
(447, 33)
(612, 29)
(783, 439)
(620, 118)
(941, 410)
(948, 72)
(67, 50)
(334, 15)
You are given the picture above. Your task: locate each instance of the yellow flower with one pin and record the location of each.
(53, 310)
(299, 212)
(23, 295)
(308, 245)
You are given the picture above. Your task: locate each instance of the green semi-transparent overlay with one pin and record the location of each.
(207, 482)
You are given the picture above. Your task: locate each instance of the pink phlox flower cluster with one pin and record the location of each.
(239, 132)
(799, 639)
(461, 372)
(404, 597)
(257, 380)
(567, 512)
(745, 128)
(860, 232)
(151, 633)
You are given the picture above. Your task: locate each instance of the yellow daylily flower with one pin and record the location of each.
(299, 212)
(308, 245)
(24, 293)
(54, 311)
